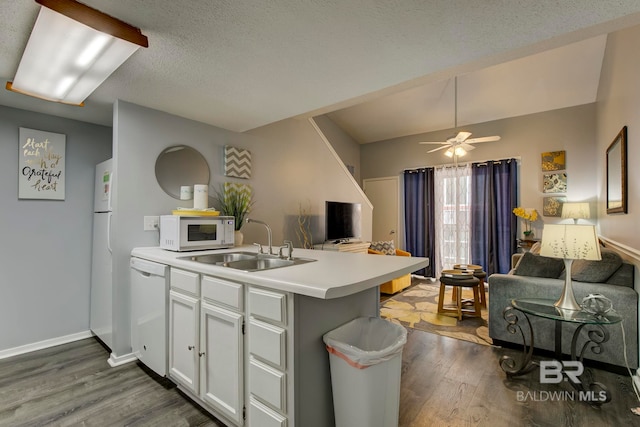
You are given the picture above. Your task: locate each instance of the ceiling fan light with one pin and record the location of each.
(459, 151)
(449, 152)
(66, 59)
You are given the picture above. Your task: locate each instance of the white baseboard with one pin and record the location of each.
(121, 360)
(27, 348)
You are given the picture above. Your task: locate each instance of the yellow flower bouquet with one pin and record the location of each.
(529, 216)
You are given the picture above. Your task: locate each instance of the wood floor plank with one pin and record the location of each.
(73, 384)
(445, 382)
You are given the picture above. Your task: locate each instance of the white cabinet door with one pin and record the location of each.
(184, 339)
(221, 349)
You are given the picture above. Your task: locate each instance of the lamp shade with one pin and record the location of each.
(570, 241)
(72, 49)
(575, 210)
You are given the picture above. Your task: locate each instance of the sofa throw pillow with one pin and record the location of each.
(596, 271)
(539, 266)
(386, 247)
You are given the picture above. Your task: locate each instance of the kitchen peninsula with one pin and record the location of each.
(258, 358)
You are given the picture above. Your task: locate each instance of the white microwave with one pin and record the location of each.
(191, 233)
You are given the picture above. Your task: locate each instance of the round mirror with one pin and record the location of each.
(180, 165)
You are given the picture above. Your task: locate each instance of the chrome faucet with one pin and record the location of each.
(289, 245)
(268, 233)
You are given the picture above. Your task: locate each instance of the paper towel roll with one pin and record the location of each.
(200, 196)
(186, 192)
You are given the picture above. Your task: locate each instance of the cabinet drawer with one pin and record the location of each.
(187, 281)
(223, 292)
(268, 305)
(267, 384)
(267, 342)
(260, 415)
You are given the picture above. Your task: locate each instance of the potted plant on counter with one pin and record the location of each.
(235, 200)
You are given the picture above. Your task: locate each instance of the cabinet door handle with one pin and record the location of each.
(201, 354)
(191, 347)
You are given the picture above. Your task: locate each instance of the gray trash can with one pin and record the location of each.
(365, 357)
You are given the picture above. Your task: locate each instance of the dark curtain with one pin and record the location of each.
(493, 226)
(419, 221)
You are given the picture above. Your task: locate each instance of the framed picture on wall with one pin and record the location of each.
(41, 165)
(617, 174)
(553, 161)
(237, 162)
(554, 183)
(552, 206)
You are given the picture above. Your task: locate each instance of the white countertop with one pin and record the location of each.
(332, 275)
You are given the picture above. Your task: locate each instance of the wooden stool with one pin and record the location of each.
(459, 310)
(477, 272)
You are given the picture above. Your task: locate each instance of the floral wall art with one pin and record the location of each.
(553, 161)
(552, 206)
(554, 184)
(41, 171)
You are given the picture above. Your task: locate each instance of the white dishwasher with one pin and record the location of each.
(149, 305)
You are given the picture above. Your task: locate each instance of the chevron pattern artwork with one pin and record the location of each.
(387, 248)
(237, 162)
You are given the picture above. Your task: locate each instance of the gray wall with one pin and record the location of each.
(345, 146)
(296, 166)
(45, 255)
(290, 165)
(618, 106)
(140, 135)
(526, 137)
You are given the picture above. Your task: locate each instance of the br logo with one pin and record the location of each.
(553, 371)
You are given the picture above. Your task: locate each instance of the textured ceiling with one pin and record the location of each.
(243, 64)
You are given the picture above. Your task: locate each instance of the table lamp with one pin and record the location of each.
(575, 211)
(569, 242)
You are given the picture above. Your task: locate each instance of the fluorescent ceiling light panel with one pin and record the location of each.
(73, 49)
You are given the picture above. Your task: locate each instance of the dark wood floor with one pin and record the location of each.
(73, 385)
(445, 382)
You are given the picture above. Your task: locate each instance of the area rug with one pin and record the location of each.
(417, 307)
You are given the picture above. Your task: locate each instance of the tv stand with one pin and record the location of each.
(353, 246)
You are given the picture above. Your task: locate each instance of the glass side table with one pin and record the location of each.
(594, 325)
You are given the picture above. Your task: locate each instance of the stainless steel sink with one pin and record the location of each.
(247, 261)
(221, 258)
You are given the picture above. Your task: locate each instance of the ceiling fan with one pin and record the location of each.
(459, 144)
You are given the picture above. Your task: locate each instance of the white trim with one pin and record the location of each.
(40, 345)
(340, 162)
(630, 254)
(121, 360)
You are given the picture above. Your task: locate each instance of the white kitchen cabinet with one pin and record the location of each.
(206, 342)
(268, 370)
(286, 312)
(221, 360)
(184, 313)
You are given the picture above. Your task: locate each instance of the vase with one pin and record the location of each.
(528, 235)
(238, 238)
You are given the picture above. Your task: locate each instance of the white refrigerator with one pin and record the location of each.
(101, 314)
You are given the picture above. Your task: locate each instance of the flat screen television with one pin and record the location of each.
(343, 221)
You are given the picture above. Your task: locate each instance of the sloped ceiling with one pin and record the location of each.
(244, 64)
(558, 78)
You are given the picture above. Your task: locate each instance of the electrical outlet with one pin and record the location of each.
(151, 223)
